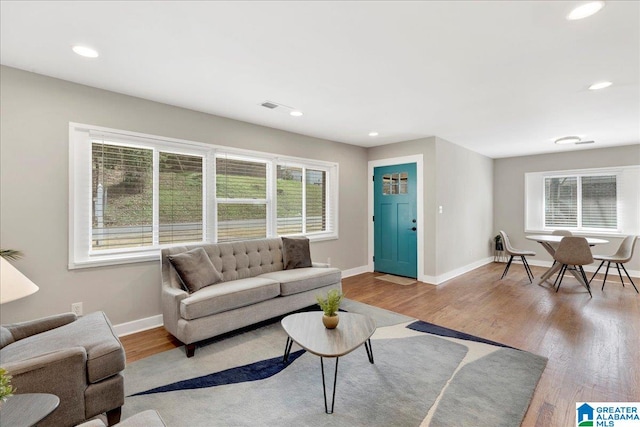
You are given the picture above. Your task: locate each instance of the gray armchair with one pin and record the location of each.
(77, 359)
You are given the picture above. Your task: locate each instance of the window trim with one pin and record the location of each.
(80, 205)
(627, 203)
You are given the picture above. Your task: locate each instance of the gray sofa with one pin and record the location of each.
(254, 287)
(77, 359)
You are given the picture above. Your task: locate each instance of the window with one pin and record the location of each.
(131, 194)
(596, 201)
(241, 198)
(581, 202)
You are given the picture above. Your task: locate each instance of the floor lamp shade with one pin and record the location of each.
(13, 284)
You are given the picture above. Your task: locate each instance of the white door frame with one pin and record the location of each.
(418, 160)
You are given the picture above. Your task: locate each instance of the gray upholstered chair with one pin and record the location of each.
(622, 256)
(513, 252)
(79, 359)
(573, 251)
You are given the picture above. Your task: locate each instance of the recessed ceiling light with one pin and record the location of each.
(585, 10)
(373, 133)
(87, 52)
(600, 85)
(568, 140)
(295, 113)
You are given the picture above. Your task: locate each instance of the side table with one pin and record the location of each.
(27, 409)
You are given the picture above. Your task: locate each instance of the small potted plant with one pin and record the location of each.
(498, 240)
(330, 306)
(6, 389)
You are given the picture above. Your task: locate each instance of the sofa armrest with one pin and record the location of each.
(171, 298)
(32, 327)
(320, 264)
(62, 373)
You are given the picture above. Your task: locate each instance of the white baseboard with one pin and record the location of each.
(355, 271)
(139, 325)
(437, 280)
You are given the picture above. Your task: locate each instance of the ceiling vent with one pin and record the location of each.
(280, 108)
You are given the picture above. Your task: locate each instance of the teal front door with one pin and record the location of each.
(394, 219)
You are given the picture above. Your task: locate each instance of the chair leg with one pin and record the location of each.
(584, 277)
(619, 274)
(113, 416)
(594, 274)
(605, 274)
(560, 276)
(507, 267)
(527, 269)
(629, 277)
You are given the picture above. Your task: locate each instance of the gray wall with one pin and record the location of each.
(509, 184)
(34, 197)
(461, 181)
(464, 189)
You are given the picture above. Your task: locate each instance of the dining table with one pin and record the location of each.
(550, 243)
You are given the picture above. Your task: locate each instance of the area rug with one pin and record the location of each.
(404, 281)
(424, 375)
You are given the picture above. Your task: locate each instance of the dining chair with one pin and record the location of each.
(622, 256)
(512, 252)
(565, 233)
(573, 251)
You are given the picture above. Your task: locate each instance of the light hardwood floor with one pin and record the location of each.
(593, 344)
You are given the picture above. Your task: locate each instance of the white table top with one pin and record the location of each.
(307, 330)
(552, 238)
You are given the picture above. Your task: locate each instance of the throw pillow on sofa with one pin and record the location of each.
(295, 252)
(195, 269)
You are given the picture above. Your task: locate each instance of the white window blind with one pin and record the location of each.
(599, 201)
(316, 201)
(582, 201)
(561, 202)
(122, 196)
(241, 195)
(289, 200)
(180, 198)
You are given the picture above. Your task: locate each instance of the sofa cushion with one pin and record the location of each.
(93, 332)
(195, 269)
(295, 252)
(227, 296)
(6, 337)
(304, 279)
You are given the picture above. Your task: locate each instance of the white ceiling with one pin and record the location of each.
(502, 78)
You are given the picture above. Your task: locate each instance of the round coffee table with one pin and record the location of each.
(27, 409)
(307, 330)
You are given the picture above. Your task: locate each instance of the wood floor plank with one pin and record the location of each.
(592, 343)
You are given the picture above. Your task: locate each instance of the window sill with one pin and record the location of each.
(154, 254)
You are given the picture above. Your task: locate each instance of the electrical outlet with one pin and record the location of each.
(76, 308)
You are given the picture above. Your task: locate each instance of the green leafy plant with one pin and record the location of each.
(331, 303)
(6, 389)
(10, 254)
